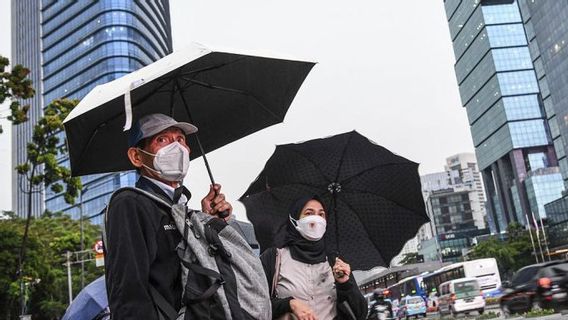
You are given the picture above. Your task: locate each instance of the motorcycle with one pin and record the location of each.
(379, 312)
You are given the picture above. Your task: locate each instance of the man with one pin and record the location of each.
(141, 257)
(379, 297)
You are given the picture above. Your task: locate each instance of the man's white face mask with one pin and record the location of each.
(311, 227)
(171, 162)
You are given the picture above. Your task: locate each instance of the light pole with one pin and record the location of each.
(82, 242)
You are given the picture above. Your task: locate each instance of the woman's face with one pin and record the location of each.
(312, 208)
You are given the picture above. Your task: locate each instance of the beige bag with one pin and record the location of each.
(289, 315)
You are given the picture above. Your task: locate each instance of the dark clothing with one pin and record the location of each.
(347, 291)
(142, 239)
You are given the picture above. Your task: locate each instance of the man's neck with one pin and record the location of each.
(147, 174)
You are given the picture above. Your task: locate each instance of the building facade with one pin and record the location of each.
(26, 48)
(455, 203)
(83, 44)
(550, 35)
(503, 98)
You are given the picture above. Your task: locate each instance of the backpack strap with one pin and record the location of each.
(164, 308)
(277, 263)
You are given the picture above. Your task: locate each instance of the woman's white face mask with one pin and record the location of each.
(171, 162)
(311, 227)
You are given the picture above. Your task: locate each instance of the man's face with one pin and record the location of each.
(164, 138)
(152, 145)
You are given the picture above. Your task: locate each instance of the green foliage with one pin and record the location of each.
(409, 258)
(535, 313)
(44, 149)
(511, 255)
(45, 275)
(15, 85)
(489, 315)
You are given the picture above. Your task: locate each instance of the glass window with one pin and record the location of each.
(506, 35)
(509, 59)
(502, 13)
(518, 82)
(528, 133)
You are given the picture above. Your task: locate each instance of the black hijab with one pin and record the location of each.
(301, 249)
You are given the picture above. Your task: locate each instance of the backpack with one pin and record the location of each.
(221, 275)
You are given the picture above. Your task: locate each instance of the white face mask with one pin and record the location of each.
(311, 227)
(171, 162)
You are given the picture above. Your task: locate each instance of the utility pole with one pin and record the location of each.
(538, 237)
(532, 240)
(76, 257)
(545, 240)
(69, 282)
(82, 236)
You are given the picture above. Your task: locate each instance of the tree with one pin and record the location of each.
(46, 277)
(409, 258)
(511, 255)
(14, 85)
(42, 169)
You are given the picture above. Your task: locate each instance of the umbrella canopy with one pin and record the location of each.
(89, 302)
(373, 197)
(226, 95)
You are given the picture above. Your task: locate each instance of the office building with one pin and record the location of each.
(503, 98)
(79, 45)
(550, 36)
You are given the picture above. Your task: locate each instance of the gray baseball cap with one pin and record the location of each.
(154, 123)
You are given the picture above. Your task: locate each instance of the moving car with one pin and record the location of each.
(545, 284)
(411, 306)
(461, 296)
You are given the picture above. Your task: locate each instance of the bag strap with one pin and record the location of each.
(165, 310)
(277, 264)
(218, 281)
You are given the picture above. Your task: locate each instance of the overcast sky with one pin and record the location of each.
(385, 69)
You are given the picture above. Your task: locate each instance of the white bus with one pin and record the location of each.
(484, 270)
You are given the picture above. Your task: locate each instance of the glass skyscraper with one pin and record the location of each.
(503, 92)
(26, 48)
(83, 44)
(551, 36)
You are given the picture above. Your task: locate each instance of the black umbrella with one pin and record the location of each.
(373, 197)
(226, 95)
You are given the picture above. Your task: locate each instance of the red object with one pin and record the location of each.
(544, 282)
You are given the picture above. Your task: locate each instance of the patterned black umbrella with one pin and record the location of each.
(373, 197)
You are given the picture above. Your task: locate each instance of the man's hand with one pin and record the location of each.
(341, 271)
(301, 310)
(214, 202)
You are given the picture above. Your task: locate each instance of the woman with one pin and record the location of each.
(305, 281)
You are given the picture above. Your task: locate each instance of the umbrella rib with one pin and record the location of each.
(342, 157)
(231, 90)
(353, 209)
(309, 160)
(356, 191)
(213, 67)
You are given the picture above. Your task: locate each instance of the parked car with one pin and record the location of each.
(460, 296)
(544, 284)
(411, 306)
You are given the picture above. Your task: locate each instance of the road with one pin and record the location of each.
(495, 309)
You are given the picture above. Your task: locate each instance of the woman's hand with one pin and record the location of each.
(301, 310)
(341, 271)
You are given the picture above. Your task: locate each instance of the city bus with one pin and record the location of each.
(411, 286)
(484, 270)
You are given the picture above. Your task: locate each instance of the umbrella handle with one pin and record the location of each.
(223, 214)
